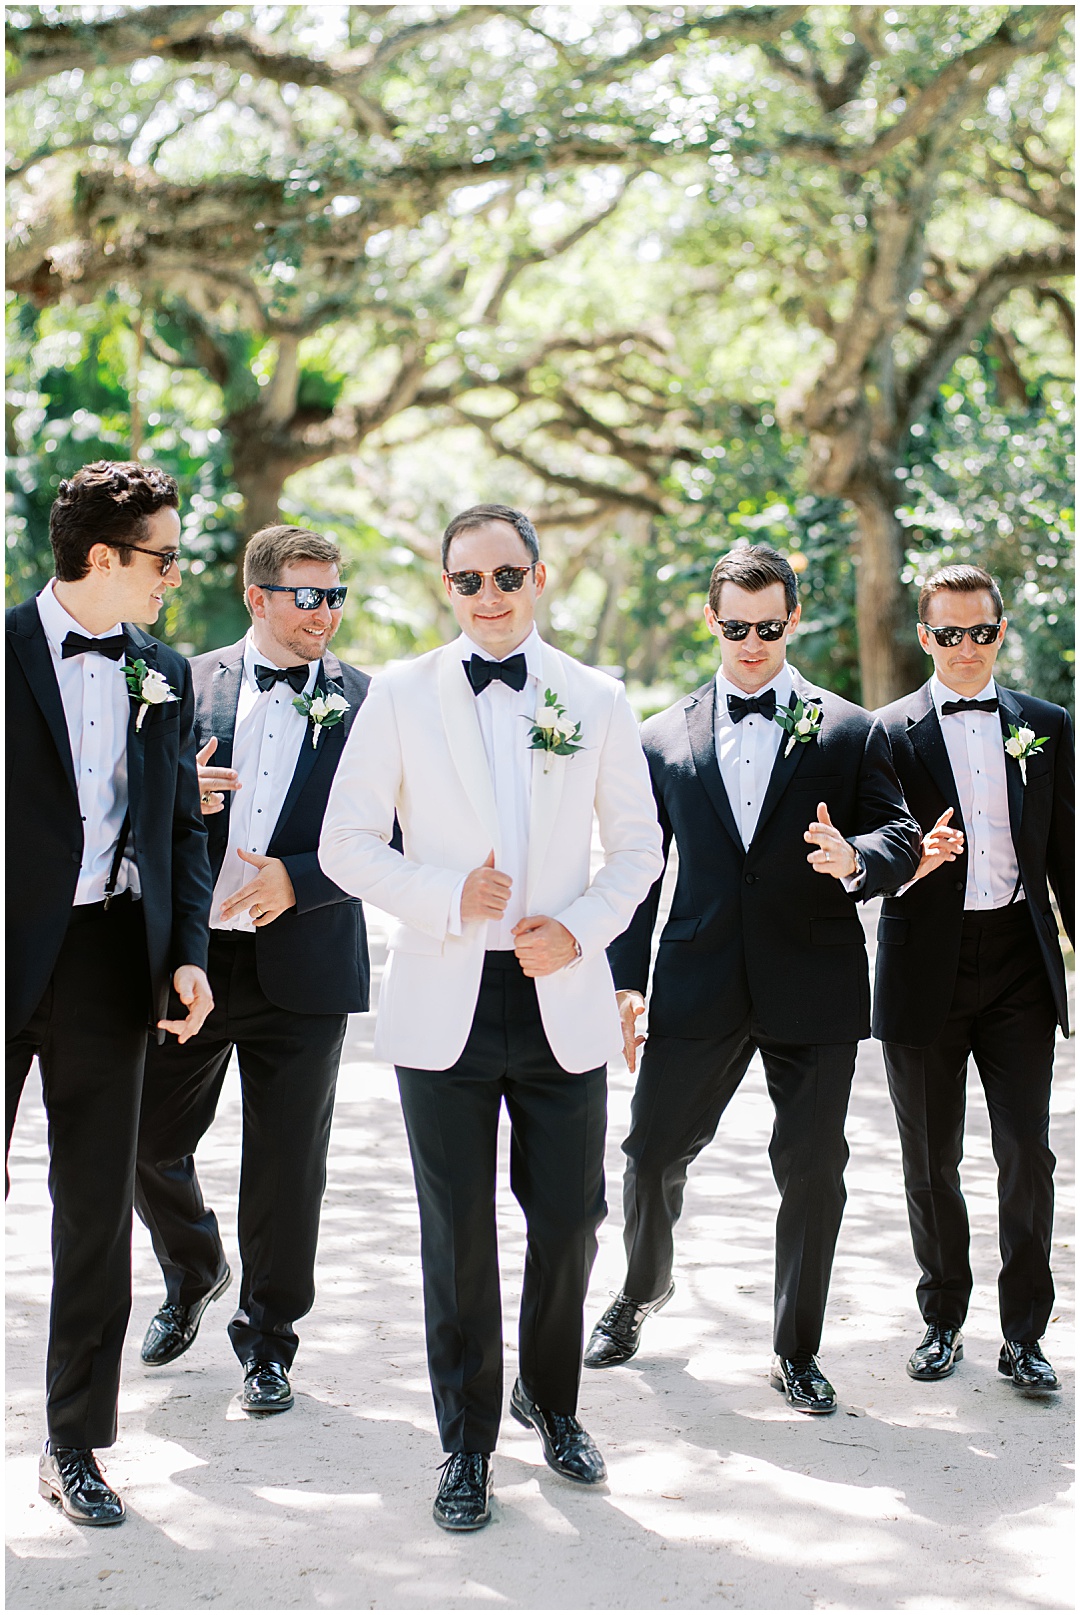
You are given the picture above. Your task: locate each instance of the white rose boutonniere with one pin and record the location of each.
(321, 711)
(800, 722)
(147, 686)
(1022, 744)
(552, 731)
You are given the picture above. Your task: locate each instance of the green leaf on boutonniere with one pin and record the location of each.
(800, 721)
(322, 711)
(552, 731)
(147, 686)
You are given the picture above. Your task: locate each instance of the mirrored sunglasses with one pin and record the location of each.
(507, 578)
(310, 599)
(983, 633)
(772, 628)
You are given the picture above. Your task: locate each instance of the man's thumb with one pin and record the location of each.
(489, 861)
(208, 750)
(823, 813)
(945, 817)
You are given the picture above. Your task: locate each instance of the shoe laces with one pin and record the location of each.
(461, 1469)
(802, 1361)
(620, 1315)
(74, 1458)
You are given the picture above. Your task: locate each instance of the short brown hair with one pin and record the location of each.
(753, 567)
(271, 549)
(959, 580)
(106, 502)
(480, 515)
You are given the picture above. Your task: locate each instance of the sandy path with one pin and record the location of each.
(946, 1497)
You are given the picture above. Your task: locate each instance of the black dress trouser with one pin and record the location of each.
(558, 1121)
(684, 1086)
(288, 1075)
(1002, 1013)
(89, 1034)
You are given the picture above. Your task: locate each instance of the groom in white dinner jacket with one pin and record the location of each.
(498, 986)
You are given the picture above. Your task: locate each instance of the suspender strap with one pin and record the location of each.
(117, 859)
(1016, 889)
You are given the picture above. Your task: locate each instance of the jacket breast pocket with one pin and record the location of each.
(893, 929)
(836, 931)
(681, 930)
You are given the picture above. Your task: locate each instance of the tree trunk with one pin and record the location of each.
(260, 475)
(890, 663)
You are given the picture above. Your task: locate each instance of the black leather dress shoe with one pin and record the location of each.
(463, 1501)
(71, 1477)
(617, 1336)
(937, 1353)
(803, 1383)
(569, 1450)
(1026, 1366)
(266, 1388)
(173, 1327)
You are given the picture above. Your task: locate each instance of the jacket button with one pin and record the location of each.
(76, 857)
(751, 880)
(959, 885)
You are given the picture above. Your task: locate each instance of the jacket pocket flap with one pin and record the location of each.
(841, 930)
(406, 939)
(681, 930)
(892, 928)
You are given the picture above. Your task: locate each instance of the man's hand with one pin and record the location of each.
(265, 897)
(192, 989)
(486, 892)
(631, 1005)
(833, 856)
(940, 845)
(214, 781)
(543, 945)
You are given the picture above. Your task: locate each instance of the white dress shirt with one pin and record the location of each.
(504, 715)
(96, 702)
(746, 751)
(266, 745)
(977, 754)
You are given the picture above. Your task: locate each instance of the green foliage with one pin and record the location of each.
(994, 487)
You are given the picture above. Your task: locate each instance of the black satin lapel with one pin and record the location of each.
(309, 754)
(700, 728)
(1009, 712)
(930, 748)
(35, 658)
(224, 696)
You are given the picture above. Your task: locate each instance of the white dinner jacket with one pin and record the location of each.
(415, 750)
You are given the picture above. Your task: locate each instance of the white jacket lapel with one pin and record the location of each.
(458, 705)
(547, 785)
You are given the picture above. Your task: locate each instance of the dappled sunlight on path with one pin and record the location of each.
(911, 1497)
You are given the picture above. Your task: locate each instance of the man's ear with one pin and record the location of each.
(256, 600)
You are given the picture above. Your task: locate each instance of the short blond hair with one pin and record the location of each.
(271, 549)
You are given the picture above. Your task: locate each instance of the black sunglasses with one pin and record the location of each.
(983, 633)
(771, 629)
(167, 559)
(508, 579)
(310, 599)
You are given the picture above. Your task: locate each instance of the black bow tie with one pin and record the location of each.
(75, 644)
(740, 706)
(480, 672)
(968, 706)
(267, 677)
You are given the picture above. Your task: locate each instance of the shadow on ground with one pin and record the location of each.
(911, 1497)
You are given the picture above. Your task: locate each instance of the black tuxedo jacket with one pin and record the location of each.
(313, 958)
(44, 826)
(756, 932)
(919, 933)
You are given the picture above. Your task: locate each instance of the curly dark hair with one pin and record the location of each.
(107, 502)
